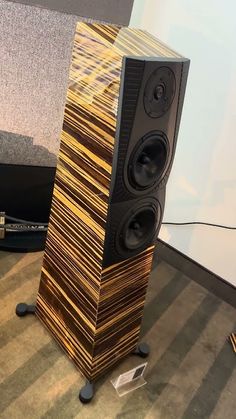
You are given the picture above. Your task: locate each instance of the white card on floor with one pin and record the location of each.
(130, 380)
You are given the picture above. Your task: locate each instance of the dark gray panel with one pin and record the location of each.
(115, 11)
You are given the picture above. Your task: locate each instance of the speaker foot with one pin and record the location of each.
(142, 350)
(22, 309)
(86, 393)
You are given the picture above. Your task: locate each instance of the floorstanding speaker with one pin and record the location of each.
(121, 121)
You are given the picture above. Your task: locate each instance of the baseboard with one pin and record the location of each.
(197, 272)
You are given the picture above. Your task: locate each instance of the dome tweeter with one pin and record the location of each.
(159, 92)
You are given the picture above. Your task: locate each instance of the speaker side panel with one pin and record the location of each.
(120, 309)
(181, 96)
(69, 290)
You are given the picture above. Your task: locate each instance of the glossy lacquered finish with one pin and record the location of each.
(94, 310)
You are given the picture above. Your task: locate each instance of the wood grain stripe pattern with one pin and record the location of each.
(94, 313)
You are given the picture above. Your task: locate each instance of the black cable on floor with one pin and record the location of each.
(199, 223)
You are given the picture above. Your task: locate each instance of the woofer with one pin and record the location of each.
(138, 227)
(148, 160)
(159, 92)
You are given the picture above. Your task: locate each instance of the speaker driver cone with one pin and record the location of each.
(148, 161)
(138, 228)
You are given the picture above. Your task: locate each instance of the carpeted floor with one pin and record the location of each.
(191, 370)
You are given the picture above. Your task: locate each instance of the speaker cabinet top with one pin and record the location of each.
(124, 40)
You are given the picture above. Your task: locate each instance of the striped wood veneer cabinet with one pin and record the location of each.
(91, 301)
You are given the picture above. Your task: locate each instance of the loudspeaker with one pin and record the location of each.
(121, 122)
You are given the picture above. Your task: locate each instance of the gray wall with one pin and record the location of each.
(35, 50)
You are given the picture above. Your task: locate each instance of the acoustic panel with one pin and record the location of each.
(35, 46)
